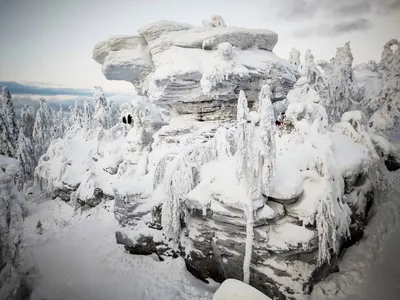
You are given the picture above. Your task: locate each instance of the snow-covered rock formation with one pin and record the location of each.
(197, 70)
(11, 222)
(250, 179)
(315, 204)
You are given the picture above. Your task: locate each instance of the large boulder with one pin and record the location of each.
(197, 70)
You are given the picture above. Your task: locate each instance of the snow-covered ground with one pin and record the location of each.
(76, 257)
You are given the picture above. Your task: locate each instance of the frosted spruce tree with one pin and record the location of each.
(267, 136)
(75, 118)
(245, 159)
(294, 57)
(87, 114)
(11, 227)
(178, 182)
(387, 115)
(390, 65)
(8, 124)
(27, 121)
(26, 162)
(342, 86)
(105, 112)
(114, 114)
(99, 99)
(256, 159)
(43, 130)
(60, 124)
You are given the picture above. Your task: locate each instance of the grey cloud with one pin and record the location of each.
(351, 26)
(296, 10)
(389, 6)
(328, 30)
(350, 9)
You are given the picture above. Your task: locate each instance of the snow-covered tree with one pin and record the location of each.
(243, 155)
(267, 135)
(256, 158)
(224, 143)
(105, 112)
(76, 115)
(390, 65)
(294, 57)
(178, 182)
(8, 124)
(310, 69)
(245, 172)
(310, 123)
(218, 21)
(60, 124)
(333, 215)
(11, 226)
(87, 114)
(43, 129)
(99, 99)
(27, 121)
(342, 85)
(114, 114)
(388, 54)
(26, 162)
(385, 119)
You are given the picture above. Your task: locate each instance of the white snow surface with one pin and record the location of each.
(351, 157)
(77, 257)
(6, 161)
(232, 289)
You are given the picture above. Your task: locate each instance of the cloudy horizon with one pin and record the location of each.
(49, 44)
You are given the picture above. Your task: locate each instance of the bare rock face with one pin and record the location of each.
(182, 67)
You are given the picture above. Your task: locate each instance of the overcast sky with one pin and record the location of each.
(50, 42)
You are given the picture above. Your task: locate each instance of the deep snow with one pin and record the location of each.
(77, 258)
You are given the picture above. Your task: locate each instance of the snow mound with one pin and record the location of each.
(232, 289)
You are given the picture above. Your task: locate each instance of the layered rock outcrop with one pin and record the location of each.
(197, 70)
(288, 235)
(225, 167)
